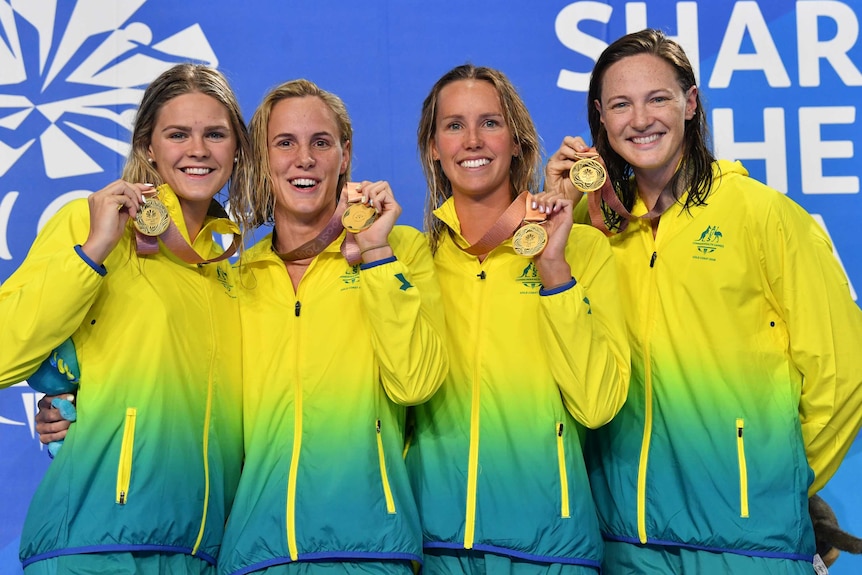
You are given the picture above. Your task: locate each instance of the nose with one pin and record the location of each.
(305, 157)
(641, 117)
(473, 138)
(199, 147)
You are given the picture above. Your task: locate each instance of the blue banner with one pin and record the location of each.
(781, 82)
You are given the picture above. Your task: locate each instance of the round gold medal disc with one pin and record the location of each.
(152, 218)
(358, 217)
(587, 175)
(530, 240)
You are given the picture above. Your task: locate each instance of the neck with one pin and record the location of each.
(194, 214)
(653, 184)
(478, 214)
(293, 230)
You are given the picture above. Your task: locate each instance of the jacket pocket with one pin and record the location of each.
(124, 469)
(564, 476)
(384, 477)
(743, 469)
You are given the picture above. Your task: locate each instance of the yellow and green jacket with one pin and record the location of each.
(328, 373)
(496, 460)
(747, 378)
(153, 461)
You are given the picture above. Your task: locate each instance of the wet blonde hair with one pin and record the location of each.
(259, 202)
(176, 81)
(525, 171)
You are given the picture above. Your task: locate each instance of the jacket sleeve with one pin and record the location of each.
(44, 301)
(402, 299)
(583, 332)
(825, 336)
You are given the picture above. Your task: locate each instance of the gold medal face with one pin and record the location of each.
(152, 218)
(530, 240)
(587, 175)
(358, 217)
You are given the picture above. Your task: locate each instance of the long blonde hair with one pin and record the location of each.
(525, 170)
(176, 81)
(259, 201)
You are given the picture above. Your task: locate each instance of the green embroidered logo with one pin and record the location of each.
(709, 241)
(351, 276)
(530, 277)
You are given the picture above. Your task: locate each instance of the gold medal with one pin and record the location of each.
(587, 175)
(530, 240)
(152, 218)
(358, 217)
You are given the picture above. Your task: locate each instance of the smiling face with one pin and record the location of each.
(306, 158)
(472, 140)
(644, 111)
(193, 147)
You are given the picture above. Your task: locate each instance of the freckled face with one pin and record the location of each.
(644, 110)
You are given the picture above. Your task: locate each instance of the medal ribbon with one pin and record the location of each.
(176, 243)
(607, 193)
(332, 229)
(503, 228)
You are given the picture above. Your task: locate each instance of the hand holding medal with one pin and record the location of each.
(359, 214)
(554, 270)
(588, 174)
(110, 209)
(530, 239)
(376, 212)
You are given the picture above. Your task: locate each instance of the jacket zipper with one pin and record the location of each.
(297, 446)
(743, 469)
(124, 469)
(648, 416)
(387, 490)
(207, 417)
(473, 454)
(564, 477)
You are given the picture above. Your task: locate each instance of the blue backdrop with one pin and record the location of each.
(780, 80)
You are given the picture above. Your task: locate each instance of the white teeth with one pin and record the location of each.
(475, 163)
(197, 171)
(646, 139)
(303, 182)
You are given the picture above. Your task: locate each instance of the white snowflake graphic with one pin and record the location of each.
(88, 84)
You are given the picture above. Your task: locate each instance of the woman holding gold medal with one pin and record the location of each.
(536, 339)
(145, 479)
(342, 330)
(747, 381)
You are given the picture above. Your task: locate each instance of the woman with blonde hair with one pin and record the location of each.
(342, 330)
(133, 277)
(536, 339)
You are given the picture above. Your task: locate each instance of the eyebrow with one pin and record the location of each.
(648, 94)
(189, 128)
(313, 136)
(481, 116)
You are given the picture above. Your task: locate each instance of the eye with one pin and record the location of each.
(454, 126)
(322, 144)
(491, 124)
(217, 135)
(177, 136)
(283, 144)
